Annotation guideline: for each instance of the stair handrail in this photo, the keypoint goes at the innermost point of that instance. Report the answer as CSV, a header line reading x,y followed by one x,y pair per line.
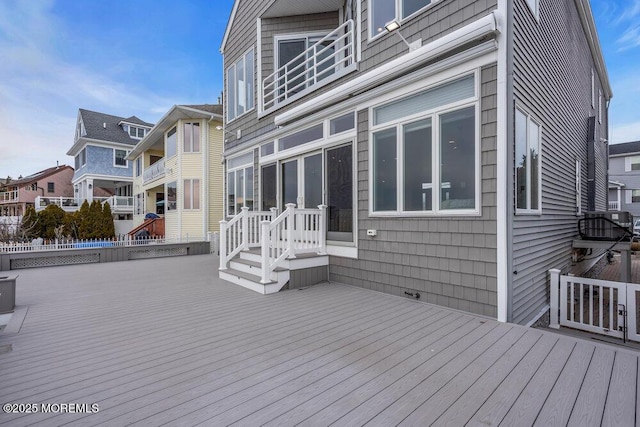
x,y
231,246
276,242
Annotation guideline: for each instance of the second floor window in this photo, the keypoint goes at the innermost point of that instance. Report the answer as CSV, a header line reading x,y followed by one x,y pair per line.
x,y
192,137
51,187
139,166
119,158
240,86
633,163
171,141
384,11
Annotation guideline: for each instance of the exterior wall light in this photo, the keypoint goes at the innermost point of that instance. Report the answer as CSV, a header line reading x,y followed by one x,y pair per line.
x,y
394,26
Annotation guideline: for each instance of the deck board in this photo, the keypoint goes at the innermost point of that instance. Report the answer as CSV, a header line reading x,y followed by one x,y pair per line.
x,y
165,341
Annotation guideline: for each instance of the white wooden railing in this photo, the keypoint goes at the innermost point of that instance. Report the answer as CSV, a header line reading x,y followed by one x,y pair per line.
x,y
156,170
614,206
9,196
599,306
323,62
241,232
294,231
72,204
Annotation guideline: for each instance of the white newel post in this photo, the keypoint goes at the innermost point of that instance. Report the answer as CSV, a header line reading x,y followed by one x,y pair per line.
x,y
554,310
223,245
291,217
274,213
322,229
245,228
264,236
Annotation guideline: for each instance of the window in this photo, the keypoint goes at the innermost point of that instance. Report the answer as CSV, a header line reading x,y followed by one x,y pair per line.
x,y
313,133
34,186
51,188
192,137
81,158
425,152
633,163
528,161
239,183
600,106
635,196
578,187
138,204
172,196
593,89
191,194
119,158
266,149
341,124
171,140
240,86
300,72
136,132
139,166
384,11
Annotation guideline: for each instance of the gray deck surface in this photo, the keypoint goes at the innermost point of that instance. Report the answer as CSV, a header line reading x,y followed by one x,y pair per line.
x,y
165,341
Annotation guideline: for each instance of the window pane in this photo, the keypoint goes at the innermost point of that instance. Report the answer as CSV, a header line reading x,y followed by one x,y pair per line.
x,y
195,127
231,193
291,79
339,166
341,124
411,6
534,158
289,183
187,138
196,194
635,196
382,11
384,170
266,149
239,190
313,181
311,134
418,179
119,157
187,194
171,143
172,195
249,79
447,93
242,160
458,159
269,187
241,89
248,188
231,96
521,160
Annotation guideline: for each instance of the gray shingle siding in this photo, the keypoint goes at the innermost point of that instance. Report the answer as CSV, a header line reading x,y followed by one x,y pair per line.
x,y
440,19
548,60
450,261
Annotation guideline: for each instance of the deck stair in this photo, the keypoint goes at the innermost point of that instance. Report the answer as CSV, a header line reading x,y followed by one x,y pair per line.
x,y
259,250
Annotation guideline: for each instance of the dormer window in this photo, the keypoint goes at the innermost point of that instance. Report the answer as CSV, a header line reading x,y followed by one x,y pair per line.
x,y
136,132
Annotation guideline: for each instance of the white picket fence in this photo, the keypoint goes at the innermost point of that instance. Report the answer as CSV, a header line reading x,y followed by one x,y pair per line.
x,y
597,306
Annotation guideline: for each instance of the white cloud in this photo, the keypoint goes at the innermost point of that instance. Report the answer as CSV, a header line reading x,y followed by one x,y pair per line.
x,y
630,38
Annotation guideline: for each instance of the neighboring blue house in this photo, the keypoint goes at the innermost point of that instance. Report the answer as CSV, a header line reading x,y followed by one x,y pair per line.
x,y
101,145
624,177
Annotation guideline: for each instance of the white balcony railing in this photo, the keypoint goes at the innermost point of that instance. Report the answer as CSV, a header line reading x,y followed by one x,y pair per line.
x,y
614,206
9,196
327,60
118,204
153,172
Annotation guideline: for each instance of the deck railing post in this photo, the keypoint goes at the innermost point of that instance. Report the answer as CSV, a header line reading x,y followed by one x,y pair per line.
x,y
244,228
223,245
291,217
274,213
322,229
264,238
554,310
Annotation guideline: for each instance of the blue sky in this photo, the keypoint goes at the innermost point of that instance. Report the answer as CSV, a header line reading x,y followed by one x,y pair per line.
x,y
140,57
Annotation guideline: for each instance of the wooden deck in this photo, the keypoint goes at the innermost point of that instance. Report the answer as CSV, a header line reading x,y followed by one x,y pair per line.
x,y
164,341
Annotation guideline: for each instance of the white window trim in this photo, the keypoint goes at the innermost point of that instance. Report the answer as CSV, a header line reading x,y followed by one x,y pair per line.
x,y
398,5
599,106
593,89
226,75
434,114
241,167
199,141
166,136
126,162
190,183
529,211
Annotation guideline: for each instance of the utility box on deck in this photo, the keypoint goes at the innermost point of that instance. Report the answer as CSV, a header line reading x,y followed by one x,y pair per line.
x,y
7,293
606,225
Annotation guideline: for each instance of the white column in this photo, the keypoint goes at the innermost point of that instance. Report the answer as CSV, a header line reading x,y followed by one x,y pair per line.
x,y
223,245
554,310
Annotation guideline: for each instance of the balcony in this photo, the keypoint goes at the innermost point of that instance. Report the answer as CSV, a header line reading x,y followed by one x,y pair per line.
x,y
153,172
9,196
614,206
118,204
329,59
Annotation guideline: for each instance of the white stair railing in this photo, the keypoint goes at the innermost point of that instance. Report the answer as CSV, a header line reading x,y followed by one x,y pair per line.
x,y
294,231
241,233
